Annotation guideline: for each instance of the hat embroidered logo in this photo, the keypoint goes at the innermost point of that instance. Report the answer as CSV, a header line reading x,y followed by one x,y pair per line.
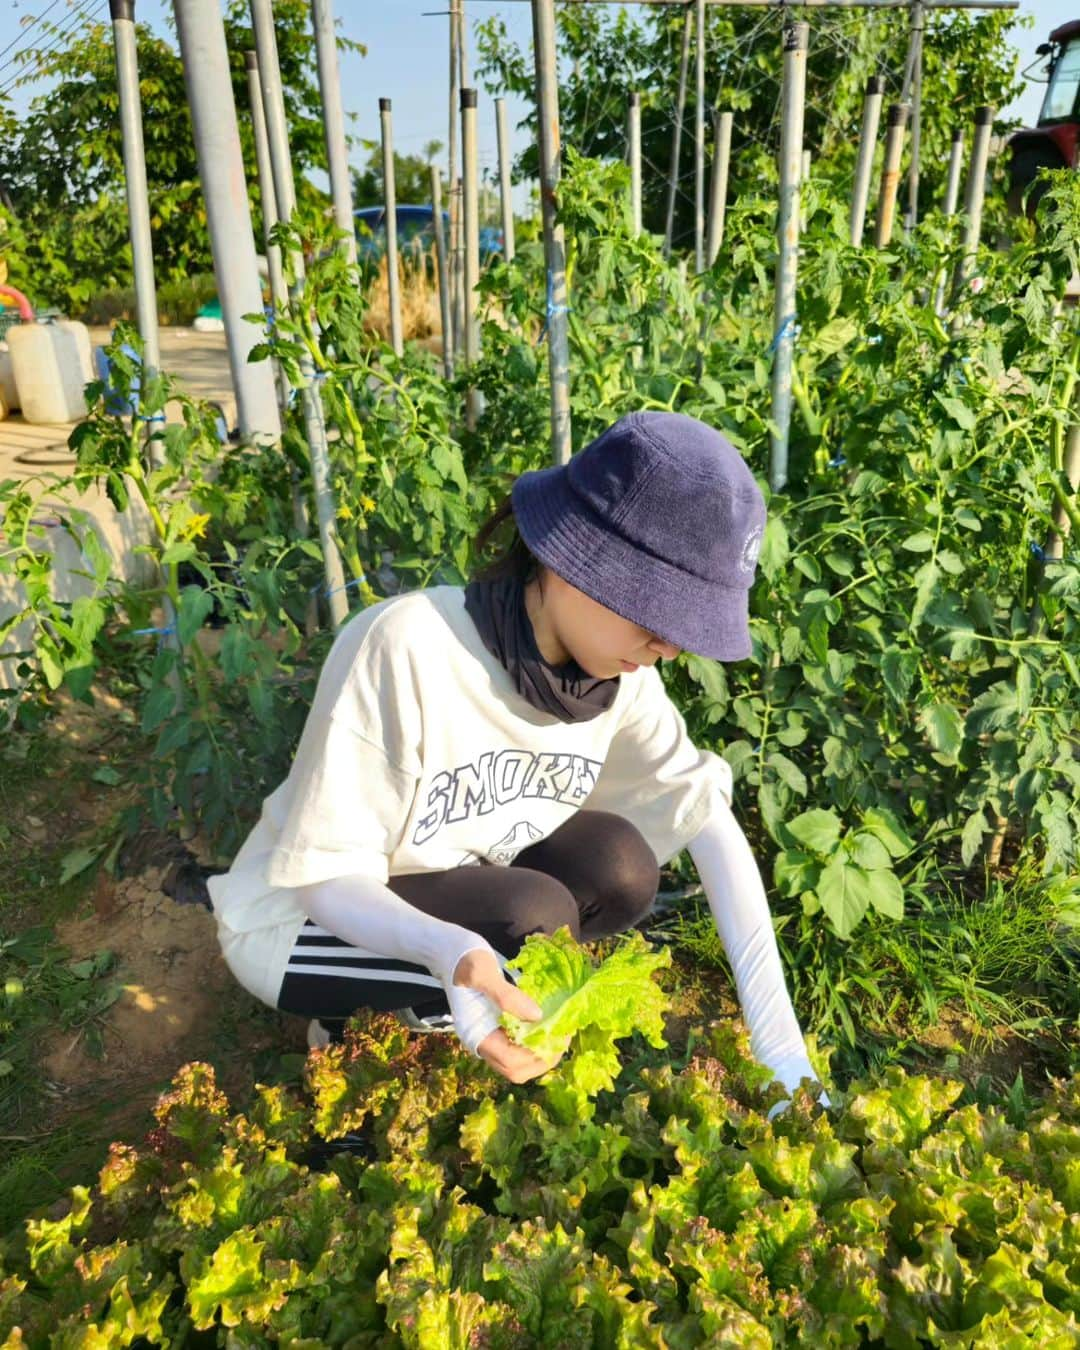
x,y
750,550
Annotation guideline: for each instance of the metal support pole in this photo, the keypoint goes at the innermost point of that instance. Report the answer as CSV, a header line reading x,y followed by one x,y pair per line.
x,y
122,13
262,22
457,252
952,182
201,32
471,222
699,142
912,93
633,154
890,173
454,199
505,184
138,200
793,96
804,177
279,294
680,111
393,280
337,155
952,192
444,282
974,192
722,122
864,165
547,104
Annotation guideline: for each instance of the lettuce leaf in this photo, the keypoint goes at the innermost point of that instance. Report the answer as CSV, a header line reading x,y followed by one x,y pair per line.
x,y
615,998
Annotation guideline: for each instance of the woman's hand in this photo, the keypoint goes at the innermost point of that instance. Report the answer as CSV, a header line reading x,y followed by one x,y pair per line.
x,y
480,970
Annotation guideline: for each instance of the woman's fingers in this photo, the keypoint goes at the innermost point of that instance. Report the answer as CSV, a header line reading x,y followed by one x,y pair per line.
x,y
512,1061
509,998
480,970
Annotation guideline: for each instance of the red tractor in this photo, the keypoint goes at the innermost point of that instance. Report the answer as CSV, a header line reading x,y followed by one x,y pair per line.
x,y
1053,142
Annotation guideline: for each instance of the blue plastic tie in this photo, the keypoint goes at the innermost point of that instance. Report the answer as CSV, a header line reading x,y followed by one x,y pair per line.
x,y
327,594
552,307
789,328
1038,551
142,632
837,461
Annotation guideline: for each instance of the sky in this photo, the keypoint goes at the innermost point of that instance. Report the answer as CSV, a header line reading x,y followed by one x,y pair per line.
x,y
407,62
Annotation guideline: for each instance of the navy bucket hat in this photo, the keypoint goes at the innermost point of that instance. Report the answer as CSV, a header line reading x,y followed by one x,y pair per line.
x,y
660,520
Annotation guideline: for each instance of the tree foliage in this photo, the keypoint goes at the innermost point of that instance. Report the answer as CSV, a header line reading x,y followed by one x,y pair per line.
x,y
412,178
968,62
64,228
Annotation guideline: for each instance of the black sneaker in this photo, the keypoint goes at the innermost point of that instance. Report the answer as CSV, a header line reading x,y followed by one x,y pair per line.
x,y
432,1022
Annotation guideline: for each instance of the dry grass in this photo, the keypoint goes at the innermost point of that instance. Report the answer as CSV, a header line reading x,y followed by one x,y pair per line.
x,y
420,317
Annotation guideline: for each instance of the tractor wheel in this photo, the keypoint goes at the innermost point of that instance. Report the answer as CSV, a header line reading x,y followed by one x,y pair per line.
x,y
1026,162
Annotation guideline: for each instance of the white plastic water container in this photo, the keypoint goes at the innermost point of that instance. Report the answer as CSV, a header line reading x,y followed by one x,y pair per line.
x,y
51,362
9,395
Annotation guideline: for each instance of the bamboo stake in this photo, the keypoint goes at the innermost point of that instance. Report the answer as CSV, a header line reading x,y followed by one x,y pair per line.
x,y
890,174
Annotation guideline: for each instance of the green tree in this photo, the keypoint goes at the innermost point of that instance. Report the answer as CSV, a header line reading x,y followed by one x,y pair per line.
x,y
412,177
65,232
603,57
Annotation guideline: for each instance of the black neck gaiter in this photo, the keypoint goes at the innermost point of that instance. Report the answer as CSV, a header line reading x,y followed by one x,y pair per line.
x,y
566,692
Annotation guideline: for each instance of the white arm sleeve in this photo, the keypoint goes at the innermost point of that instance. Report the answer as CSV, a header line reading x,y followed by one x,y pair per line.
x,y
736,896
364,912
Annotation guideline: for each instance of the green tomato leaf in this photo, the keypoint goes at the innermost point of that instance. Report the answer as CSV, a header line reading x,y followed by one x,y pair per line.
x,y
974,829
845,893
883,823
959,412
944,728
819,830
886,893
920,542
868,851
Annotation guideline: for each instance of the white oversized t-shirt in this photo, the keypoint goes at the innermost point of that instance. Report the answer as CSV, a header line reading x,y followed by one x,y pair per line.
x,y
419,754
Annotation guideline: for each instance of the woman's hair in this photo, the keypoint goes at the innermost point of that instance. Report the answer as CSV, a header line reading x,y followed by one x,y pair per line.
x,y
514,558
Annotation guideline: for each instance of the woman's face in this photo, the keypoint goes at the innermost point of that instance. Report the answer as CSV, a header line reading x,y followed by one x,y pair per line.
x,y
568,623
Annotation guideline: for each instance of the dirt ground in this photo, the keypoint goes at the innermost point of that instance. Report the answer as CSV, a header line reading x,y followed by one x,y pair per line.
x,y
179,999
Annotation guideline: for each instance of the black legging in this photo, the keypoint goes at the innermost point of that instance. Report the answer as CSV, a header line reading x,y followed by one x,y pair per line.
x,y
595,873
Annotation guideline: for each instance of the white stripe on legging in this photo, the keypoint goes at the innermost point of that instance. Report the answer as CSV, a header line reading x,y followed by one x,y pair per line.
x,y
339,972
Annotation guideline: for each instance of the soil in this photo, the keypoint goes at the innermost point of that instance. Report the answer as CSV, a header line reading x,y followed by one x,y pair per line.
x,y
177,992
178,1001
